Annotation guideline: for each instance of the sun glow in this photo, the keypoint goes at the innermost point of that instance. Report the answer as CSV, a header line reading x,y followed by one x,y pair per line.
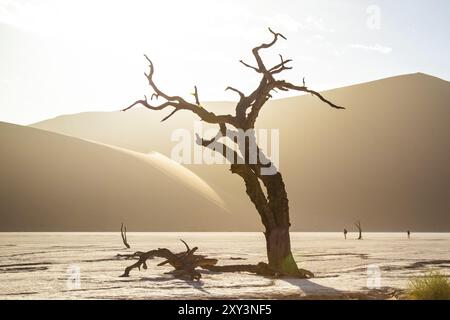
x,y
70,56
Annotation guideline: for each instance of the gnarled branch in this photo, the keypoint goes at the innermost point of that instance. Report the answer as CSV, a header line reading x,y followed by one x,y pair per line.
x,y
241,95
281,66
258,58
290,86
184,263
249,66
178,103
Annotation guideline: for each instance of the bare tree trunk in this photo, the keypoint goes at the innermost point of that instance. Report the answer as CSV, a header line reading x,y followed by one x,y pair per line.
x,y
279,251
274,213
278,240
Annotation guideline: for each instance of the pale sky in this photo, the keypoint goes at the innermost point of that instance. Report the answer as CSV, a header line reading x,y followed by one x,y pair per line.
x,y
63,56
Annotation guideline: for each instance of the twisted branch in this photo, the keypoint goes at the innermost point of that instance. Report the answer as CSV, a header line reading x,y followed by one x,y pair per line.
x,y
178,103
249,66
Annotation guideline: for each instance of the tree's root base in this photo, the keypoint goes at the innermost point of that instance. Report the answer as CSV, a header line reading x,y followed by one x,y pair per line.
x,y
305,274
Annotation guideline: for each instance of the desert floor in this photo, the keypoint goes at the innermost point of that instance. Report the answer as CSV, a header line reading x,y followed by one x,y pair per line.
x,y
48,265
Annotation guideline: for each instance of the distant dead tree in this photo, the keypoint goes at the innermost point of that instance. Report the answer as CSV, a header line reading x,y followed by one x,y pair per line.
x,y
358,225
123,233
272,205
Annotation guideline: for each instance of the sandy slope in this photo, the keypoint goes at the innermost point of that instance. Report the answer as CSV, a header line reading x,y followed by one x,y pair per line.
x,y
36,265
384,160
53,182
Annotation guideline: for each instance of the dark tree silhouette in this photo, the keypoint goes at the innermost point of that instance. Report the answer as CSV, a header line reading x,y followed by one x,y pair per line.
x,y
358,225
271,205
123,233
184,263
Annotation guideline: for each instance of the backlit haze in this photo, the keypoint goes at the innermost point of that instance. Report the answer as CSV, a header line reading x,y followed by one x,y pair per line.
x,y
61,57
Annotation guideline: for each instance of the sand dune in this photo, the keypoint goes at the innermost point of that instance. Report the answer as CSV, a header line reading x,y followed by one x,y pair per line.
x,y
384,160
176,171
51,182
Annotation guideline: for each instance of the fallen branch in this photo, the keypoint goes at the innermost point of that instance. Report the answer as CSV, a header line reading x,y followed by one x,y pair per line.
x,y
185,264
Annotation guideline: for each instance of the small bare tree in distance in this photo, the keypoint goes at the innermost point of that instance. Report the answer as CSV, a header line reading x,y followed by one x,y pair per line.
x,y
358,225
123,233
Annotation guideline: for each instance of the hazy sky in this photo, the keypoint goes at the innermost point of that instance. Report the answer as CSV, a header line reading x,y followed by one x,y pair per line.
x,y
63,56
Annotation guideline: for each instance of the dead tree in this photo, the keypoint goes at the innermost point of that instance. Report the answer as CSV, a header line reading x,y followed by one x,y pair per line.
x,y
272,205
358,225
185,264
123,233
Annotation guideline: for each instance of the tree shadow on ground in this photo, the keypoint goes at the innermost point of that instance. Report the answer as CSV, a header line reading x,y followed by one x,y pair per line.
x,y
198,285
308,289
312,290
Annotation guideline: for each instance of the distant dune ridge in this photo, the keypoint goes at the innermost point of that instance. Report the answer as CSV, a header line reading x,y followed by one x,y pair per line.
x,y
383,161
